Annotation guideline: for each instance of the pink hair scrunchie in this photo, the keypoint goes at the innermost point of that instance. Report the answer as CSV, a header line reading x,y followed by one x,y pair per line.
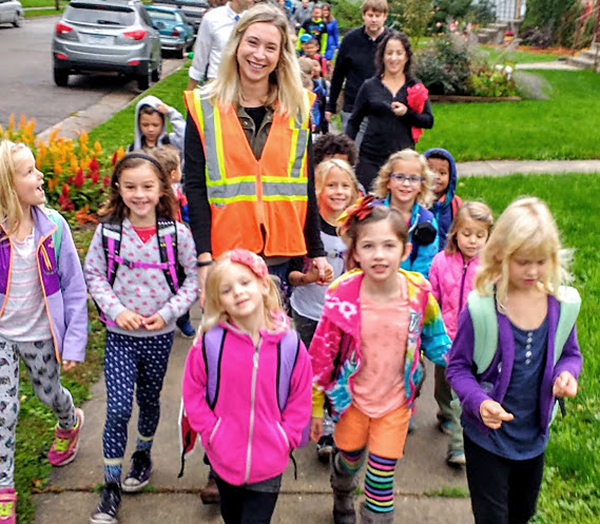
x,y
252,261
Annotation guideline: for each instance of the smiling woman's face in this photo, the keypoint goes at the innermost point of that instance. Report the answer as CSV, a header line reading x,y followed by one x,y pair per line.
x,y
258,52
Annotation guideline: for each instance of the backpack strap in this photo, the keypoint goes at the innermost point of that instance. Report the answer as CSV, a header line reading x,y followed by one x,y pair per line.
x,y
55,217
166,231
455,204
287,355
485,329
485,324
111,243
570,304
212,350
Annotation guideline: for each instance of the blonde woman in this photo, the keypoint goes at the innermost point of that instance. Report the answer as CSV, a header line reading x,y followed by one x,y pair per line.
x,y
248,170
405,182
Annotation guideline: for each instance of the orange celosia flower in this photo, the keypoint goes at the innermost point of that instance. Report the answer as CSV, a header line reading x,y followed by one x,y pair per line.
x,y
97,147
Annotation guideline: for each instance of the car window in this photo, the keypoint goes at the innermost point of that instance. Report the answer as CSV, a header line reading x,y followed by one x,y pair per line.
x,y
162,15
100,14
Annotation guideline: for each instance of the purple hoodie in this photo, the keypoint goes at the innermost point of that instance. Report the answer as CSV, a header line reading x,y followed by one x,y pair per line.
x,y
470,387
64,288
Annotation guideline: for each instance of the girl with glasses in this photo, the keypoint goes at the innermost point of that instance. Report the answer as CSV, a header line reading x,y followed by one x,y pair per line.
x,y
405,182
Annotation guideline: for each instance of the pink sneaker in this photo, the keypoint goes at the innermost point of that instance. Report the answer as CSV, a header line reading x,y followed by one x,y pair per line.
x,y
8,506
66,442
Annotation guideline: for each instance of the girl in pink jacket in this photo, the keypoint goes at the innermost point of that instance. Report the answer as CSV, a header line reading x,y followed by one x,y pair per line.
x,y
249,410
451,276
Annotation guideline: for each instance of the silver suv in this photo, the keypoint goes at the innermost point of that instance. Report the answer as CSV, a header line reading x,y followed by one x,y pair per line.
x,y
106,35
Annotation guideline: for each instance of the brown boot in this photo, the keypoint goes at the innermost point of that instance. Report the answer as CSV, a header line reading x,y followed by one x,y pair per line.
x,y
210,493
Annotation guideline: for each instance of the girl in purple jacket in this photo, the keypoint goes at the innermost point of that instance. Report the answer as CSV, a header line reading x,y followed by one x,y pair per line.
x,y
508,404
451,275
43,312
236,411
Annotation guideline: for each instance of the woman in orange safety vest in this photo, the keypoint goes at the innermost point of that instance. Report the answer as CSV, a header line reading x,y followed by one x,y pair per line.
x,y
248,152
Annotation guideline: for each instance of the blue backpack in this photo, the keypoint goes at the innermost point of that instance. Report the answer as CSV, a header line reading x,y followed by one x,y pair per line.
x,y
212,345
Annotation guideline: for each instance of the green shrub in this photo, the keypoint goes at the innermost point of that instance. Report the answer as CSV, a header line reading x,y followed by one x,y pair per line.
x,y
445,68
347,14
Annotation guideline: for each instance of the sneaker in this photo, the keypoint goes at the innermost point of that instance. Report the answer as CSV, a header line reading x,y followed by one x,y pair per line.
x,y
445,426
325,448
66,442
139,473
210,493
106,512
8,506
186,329
456,458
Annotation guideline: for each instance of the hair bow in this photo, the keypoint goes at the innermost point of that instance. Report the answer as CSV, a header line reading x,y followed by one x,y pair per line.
x,y
360,210
252,261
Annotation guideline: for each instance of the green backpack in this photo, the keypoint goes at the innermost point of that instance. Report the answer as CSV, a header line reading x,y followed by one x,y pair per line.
x,y
485,324
55,217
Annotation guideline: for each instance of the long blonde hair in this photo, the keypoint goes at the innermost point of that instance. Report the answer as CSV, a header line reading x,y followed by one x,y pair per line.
x,y
286,93
528,228
477,211
11,211
213,309
380,185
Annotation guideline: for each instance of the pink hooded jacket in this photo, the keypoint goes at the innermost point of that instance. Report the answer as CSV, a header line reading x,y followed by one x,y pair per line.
x,y
451,282
245,435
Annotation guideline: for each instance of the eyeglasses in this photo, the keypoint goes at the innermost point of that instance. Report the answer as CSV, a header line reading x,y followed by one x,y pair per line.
x,y
403,178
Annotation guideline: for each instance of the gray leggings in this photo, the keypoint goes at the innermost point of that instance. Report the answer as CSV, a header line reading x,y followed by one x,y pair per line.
x,y
44,373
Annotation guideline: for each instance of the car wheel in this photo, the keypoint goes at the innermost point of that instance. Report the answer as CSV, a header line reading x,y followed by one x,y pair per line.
x,y
179,53
143,79
157,72
18,19
61,77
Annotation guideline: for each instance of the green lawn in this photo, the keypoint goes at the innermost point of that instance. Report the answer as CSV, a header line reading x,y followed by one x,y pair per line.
x,y
570,492
565,127
498,55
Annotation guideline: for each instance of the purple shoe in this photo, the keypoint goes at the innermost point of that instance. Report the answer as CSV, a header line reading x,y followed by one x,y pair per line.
x,y
66,442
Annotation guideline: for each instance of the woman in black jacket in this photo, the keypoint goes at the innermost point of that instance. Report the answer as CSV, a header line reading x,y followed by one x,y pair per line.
x,y
395,103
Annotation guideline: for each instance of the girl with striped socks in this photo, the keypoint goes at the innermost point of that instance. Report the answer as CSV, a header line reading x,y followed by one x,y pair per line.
x,y
365,355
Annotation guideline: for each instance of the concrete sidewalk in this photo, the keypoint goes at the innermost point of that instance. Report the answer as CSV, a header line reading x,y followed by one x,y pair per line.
x,y
421,475
527,167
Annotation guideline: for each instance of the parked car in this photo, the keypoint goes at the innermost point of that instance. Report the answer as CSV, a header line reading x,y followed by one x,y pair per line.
x,y
193,9
106,36
11,12
176,33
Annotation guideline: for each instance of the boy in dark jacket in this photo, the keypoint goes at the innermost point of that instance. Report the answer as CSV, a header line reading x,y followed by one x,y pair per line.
x,y
447,202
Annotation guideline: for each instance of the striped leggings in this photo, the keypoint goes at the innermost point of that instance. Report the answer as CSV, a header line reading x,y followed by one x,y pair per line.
x,y
379,479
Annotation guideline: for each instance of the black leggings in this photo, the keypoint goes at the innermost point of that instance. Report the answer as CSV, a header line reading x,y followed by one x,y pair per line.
x,y
239,505
503,491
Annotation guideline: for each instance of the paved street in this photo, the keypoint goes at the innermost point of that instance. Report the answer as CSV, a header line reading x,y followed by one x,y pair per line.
x,y
26,81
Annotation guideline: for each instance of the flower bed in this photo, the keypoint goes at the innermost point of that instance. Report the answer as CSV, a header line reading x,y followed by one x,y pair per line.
x,y
76,172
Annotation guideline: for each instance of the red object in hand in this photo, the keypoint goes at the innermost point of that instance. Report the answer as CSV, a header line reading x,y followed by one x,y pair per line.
x,y
416,97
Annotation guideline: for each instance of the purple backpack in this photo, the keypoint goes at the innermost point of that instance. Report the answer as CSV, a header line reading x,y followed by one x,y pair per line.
x,y
212,345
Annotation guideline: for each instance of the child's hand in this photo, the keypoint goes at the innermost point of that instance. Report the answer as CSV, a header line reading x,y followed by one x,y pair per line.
x,y
316,429
129,320
565,385
154,323
493,414
68,365
164,109
399,108
326,280
312,275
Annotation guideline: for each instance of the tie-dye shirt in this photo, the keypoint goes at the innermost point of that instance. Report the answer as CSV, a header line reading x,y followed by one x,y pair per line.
x,y
336,353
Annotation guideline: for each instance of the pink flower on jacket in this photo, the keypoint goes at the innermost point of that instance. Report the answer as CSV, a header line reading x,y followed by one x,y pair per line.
x,y
416,97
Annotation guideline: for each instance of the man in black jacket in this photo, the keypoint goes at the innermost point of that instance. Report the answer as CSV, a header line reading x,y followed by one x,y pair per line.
x,y
355,61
